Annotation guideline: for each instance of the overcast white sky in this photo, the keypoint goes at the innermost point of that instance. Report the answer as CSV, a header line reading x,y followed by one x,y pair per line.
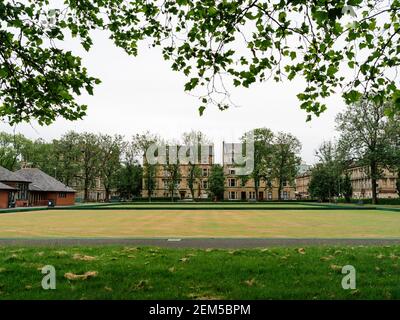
x,y
143,93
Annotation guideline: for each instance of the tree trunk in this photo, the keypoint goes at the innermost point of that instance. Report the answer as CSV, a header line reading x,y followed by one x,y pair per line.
x,y
374,170
148,193
256,189
280,190
86,194
398,183
192,192
107,194
199,189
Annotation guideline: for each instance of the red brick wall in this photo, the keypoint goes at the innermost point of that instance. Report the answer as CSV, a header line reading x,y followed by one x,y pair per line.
x,y
21,203
69,200
3,199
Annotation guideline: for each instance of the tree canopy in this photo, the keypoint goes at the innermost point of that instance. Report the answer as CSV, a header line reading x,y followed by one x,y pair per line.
x,y
215,44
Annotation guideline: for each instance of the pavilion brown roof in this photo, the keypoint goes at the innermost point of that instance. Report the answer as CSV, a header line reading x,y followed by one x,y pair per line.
x,y
42,181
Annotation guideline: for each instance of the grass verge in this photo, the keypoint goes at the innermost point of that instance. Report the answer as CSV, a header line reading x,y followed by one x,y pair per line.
x,y
155,273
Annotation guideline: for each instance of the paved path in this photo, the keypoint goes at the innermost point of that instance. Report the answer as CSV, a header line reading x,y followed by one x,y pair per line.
x,y
200,242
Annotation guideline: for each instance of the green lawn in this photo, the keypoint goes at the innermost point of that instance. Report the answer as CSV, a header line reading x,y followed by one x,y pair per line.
x,y
202,223
214,205
154,273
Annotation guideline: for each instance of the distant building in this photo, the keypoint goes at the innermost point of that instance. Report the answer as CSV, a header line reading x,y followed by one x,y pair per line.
x,y
44,188
32,187
360,182
302,183
362,186
18,196
6,193
239,187
304,168
182,190
96,192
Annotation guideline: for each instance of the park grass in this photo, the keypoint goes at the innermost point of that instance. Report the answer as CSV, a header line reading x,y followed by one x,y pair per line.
x,y
232,204
155,273
201,224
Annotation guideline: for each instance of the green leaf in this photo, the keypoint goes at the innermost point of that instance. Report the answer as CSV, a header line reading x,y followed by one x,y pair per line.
x,y
3,73
331,71
352,96
201,110
191,84
282,16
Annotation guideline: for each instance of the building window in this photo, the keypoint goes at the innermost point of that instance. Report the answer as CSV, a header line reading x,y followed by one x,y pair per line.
x,y
22,193
205,172
232,182
270,195
232,195
205,184
62,195
252,195
231,171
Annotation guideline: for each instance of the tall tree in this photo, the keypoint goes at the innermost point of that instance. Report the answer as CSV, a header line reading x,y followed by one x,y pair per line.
x,y
111,148
195,140
285,160
11,146
216,182
323,185
394,146
347,188
129,180
334,161
173,177
68,154
40,154
327,176
263,140
365,133
139,145
90,161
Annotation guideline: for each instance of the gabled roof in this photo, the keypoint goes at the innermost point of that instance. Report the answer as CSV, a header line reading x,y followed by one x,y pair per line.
x,y
42,181
7,175
6,187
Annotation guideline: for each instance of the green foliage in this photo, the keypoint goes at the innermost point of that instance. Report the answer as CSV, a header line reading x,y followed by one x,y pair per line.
x,y
90,164
38,79
318,43
10,150
285,159
346,188
193,178
398,183
323,185
194,140
68,155
172,176
280,40
149,178
111,149
367,135
216,182
329,177
78,159
263,154
138,147
129,180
